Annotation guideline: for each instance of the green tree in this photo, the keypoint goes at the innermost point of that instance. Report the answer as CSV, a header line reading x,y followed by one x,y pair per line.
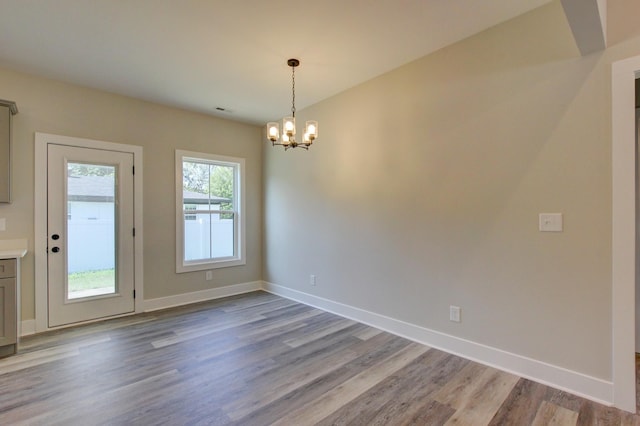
x,y
221,185
78,169
195,177
210,179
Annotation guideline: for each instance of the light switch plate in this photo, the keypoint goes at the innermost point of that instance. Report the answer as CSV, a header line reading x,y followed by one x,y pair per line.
x,y
3,224
550,222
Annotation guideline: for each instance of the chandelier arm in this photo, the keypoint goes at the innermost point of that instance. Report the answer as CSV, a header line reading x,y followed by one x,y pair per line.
x,y
291,145
286,147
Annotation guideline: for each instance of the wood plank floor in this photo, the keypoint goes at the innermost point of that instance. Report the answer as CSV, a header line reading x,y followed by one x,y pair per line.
x,y
258,359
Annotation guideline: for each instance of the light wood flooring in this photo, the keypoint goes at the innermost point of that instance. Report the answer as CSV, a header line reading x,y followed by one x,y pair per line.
x,y
258,359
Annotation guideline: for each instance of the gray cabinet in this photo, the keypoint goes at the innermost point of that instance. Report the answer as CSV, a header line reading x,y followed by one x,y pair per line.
x,y
7,110
8,306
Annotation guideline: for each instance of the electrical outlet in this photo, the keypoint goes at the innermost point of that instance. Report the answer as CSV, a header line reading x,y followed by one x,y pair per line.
x,y
550,222
312,280
3,224
454,313
208,275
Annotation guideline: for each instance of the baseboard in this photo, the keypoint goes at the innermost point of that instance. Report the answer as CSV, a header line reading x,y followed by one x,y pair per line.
x,y
589,387
28,327
200,296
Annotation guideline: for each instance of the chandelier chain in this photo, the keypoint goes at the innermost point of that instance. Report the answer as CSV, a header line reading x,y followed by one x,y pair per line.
x,y
293,90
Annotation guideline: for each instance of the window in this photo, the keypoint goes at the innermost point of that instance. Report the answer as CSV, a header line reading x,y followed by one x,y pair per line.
x,y
209,216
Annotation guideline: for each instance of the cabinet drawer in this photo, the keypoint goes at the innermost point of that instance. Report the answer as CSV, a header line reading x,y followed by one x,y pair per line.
x,y
7,268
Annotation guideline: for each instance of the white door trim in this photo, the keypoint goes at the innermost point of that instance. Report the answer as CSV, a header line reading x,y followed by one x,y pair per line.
x,y
623,228
40,217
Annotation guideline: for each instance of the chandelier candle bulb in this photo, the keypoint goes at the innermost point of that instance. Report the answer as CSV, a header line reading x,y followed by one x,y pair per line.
x,y
311,129
289,126
273,131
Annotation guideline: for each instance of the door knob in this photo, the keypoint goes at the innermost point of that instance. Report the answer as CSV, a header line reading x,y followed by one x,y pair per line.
x,y
55,236
55,249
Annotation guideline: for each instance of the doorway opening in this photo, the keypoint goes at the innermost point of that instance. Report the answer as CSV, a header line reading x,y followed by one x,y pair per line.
x,y
623,225
88,227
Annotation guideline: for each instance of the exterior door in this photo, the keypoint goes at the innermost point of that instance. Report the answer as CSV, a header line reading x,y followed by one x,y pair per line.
x,y
90,231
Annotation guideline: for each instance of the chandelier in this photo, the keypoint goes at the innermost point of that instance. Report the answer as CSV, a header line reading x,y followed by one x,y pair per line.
x,y
288,139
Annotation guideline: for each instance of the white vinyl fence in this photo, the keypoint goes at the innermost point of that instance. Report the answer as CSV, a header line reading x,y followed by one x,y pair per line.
x,y
91,243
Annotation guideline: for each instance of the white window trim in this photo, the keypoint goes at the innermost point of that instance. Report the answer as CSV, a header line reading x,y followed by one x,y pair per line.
x,y
239,231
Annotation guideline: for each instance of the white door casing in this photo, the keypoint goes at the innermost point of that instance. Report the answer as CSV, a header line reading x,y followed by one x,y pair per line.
x,y
637,277
623,257
42,142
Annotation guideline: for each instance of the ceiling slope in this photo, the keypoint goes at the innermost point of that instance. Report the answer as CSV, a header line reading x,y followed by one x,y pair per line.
x,y
203,54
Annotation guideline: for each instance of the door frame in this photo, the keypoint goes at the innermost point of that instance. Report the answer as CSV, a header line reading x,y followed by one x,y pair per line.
x,y
623,229
40,219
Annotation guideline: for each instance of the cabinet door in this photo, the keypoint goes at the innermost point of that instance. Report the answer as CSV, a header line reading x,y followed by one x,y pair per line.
x,y
8,326
5,154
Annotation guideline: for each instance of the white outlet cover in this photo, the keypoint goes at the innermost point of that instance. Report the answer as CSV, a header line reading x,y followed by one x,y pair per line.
x,y
454,313
3,224
550,222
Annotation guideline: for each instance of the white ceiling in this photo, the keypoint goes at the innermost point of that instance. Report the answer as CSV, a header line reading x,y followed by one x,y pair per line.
x,y
203,54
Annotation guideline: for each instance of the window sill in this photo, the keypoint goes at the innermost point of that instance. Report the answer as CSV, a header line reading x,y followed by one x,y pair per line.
x,y
204,266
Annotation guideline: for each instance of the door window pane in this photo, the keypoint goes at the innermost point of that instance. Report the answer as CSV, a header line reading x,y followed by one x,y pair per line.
x,y
91,230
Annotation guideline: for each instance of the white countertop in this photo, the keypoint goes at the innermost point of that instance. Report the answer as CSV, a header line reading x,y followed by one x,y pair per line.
x,y
13,249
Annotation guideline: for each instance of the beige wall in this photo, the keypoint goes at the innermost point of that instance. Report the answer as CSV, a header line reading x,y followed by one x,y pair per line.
x,y
622,20
425,186
53,107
